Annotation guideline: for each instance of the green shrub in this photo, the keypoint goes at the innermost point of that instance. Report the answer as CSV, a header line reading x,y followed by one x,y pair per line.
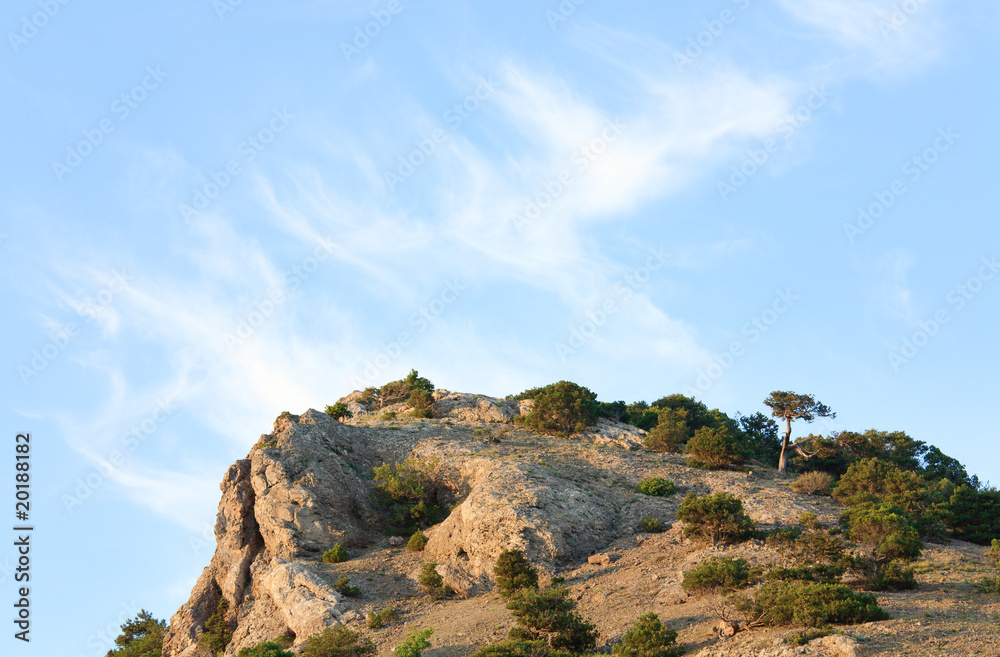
x,y
562,408
414,381
887,530
512,648
874,480
809,519
513,572
988,585
649,525
670,435
338,641
265,649
417,542
995,553
886,535
813,483
812,547
408,491
388,415
548,614
718,517
648,638
338,411
415,644
822,573
810,605
217,633
382,618
714,449
719,574
973,514
343,586
140,637
336,554
657,487
421,402
893,576
432,583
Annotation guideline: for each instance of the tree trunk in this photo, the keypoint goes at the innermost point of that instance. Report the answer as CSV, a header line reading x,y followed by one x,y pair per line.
x,y
783,460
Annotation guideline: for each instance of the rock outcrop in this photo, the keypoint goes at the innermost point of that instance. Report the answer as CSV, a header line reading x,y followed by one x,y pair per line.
x,y
307,485
298,493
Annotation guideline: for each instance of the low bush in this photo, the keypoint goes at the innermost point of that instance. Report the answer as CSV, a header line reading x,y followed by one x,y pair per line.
x,y
670,435
343,586
388,415
657,487
649,525
513,572
421,402
810,605
988,585
718,575
414,644
648,638
338,411
822,573
718,518
995,553
809,519
714,449
417,542
408,490
892,576
432,583
265,649
562,408
548,614
338,641
814,483
382,618
336,554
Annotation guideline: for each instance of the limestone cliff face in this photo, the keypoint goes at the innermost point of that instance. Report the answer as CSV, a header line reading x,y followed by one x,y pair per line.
x,y
306,486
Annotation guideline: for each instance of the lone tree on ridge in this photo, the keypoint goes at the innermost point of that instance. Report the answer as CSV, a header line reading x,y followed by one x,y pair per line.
x,y
790,406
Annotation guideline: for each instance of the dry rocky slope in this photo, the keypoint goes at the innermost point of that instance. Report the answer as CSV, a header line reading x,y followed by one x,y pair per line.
x,y
570,504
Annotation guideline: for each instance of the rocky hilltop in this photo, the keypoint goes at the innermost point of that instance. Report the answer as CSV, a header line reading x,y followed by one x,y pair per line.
x,y
569,504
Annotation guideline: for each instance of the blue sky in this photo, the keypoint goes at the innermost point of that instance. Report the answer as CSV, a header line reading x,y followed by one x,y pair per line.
x,y
214,212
